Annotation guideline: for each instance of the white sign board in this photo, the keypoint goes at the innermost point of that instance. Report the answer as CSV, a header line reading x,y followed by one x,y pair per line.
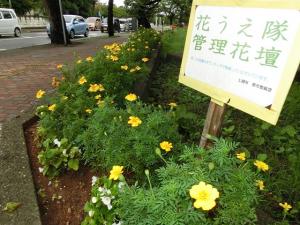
x,y
243,51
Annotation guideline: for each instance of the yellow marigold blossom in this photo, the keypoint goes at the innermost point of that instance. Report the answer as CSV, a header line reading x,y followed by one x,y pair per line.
x,y
89,111
172,105
97,97
260,184
261,165
131,97
286,207
167,146
52,107
133,49
100,102
79,61
134,121
59,66
55,82
146,47
40,94
241,156
116,172
93,88
114,58
101,88
89,59
125,67
205,196
145,59
82,80
132,70
138,68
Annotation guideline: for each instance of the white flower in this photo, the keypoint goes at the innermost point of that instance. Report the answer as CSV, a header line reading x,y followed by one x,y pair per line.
x,y
91,213
107,201
94,200
121,185
94,179
41,169
57,142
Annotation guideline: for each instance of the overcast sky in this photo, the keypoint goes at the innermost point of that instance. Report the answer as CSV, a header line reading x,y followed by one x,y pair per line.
x,y
116,2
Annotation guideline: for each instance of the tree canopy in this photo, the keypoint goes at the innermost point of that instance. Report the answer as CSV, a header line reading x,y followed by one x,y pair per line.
x,y
21,7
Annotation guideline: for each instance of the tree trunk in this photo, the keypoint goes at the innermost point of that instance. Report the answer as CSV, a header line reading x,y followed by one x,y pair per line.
x,y
143,21
110,17
55,22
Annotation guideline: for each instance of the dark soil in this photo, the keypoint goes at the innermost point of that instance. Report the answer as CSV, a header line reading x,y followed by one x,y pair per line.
x,y
61,200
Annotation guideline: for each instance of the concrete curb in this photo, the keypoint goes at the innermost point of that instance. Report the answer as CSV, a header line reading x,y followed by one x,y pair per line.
x,y
16,178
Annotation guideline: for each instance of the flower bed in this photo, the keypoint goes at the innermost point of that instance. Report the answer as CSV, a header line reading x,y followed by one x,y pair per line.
x,y
96,119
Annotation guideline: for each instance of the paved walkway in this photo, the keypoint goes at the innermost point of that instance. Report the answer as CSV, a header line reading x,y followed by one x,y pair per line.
x,y
24,71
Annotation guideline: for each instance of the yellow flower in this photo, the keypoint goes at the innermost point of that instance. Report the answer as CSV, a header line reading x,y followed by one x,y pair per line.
x,y
79,61
65,97
89,111
116,172
205,195
52,107
96,87
131,97
40,94
55,82
241,156
101,88
261,165
132,70
82,80
89,59
133,49
128,49
134,121
138,68
97,97
165,145
286,207
172,105
146,47
100,102
260,184
125,67
59,66
114,58
145,59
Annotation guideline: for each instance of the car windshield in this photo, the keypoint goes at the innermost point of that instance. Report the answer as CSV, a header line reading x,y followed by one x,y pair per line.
x,y
68,19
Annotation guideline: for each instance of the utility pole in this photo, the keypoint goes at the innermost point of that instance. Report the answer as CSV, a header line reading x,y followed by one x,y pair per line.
x,y
62,22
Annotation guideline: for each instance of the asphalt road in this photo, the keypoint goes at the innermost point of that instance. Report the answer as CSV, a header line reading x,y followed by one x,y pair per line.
x,y
34,38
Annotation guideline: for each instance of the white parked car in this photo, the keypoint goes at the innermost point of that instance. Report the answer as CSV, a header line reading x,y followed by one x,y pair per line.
x,y
9,24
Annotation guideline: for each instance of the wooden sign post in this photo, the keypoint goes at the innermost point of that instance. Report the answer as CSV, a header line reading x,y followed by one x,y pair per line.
x,y
242,53
213,123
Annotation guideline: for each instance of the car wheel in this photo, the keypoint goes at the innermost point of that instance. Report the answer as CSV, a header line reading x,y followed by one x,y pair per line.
x,y
72,34
17,32
86,34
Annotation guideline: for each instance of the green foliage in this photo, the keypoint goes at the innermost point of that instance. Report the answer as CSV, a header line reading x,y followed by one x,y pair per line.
x,y
58,155
173,41
109,139
170,203
79,7
21,7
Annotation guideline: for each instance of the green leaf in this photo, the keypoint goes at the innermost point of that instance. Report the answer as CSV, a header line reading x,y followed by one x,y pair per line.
x,y
73,164
11,206
259,141
262,157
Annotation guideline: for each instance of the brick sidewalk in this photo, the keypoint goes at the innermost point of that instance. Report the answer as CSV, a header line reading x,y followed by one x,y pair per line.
x,y
24,71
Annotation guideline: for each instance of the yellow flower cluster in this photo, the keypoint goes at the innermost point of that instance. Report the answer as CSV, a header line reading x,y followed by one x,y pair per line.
x,y
125,67
59,66
260,184
241,156
261,165
205,196
89,111
134,121
131,97
145,59
55,82
172,105
82,80
52,107
96,87
286,207
116,172
89,59
40,94
167,146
